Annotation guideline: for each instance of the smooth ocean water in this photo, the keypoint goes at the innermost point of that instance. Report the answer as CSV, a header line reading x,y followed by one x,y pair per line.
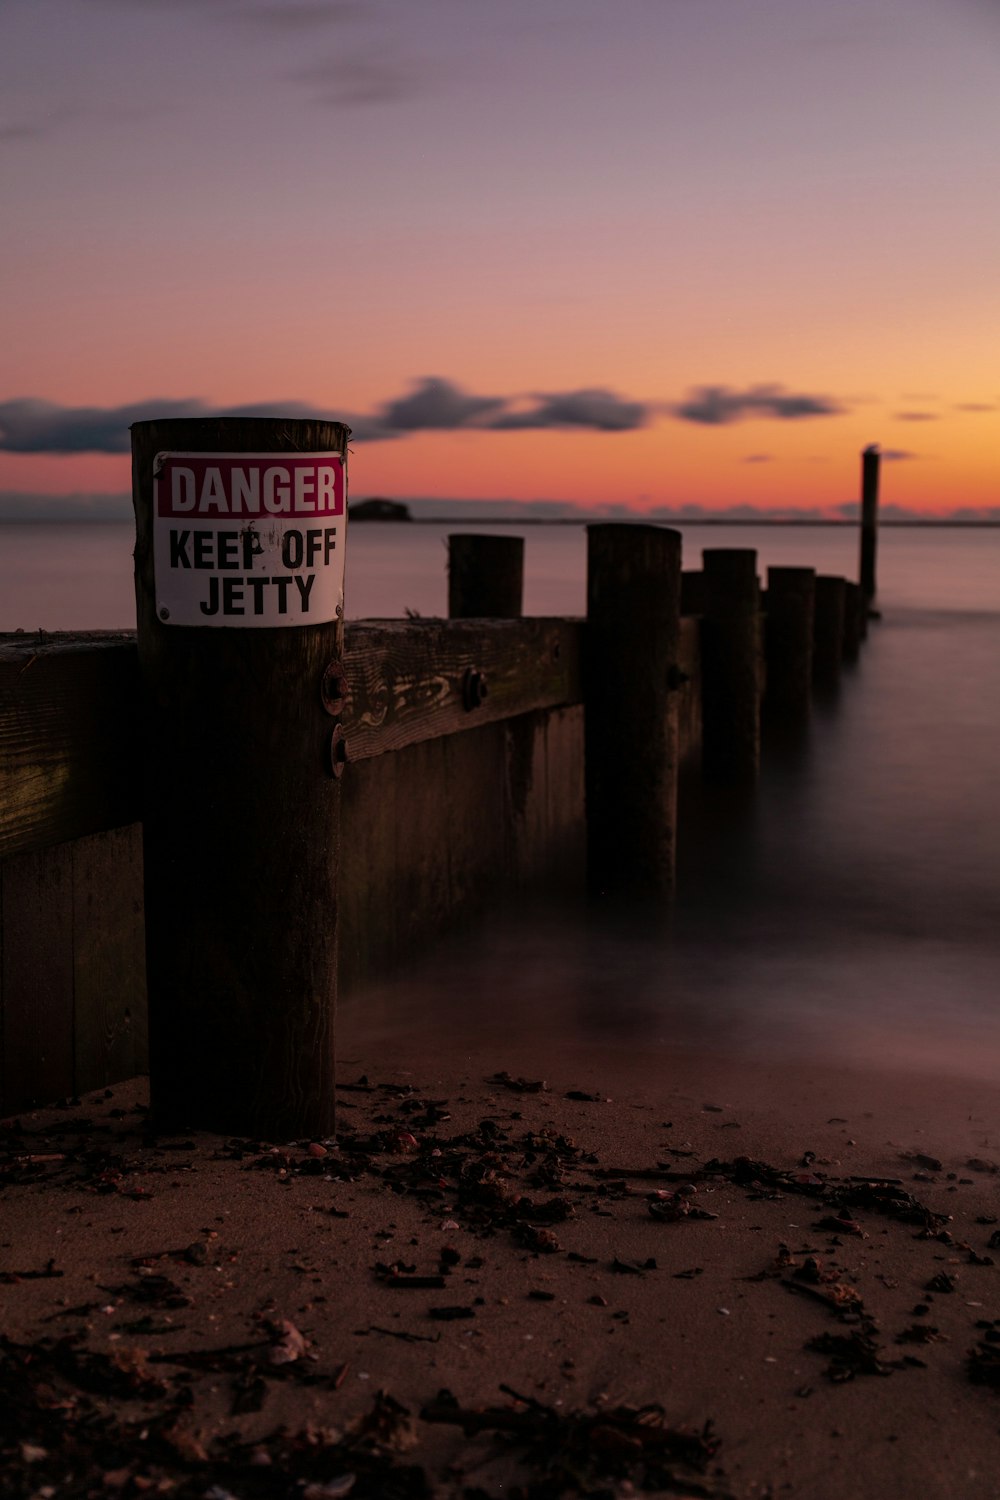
x,y
849,909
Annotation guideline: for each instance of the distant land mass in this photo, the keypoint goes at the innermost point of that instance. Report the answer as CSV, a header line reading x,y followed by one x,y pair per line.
x,y
379,509
23,505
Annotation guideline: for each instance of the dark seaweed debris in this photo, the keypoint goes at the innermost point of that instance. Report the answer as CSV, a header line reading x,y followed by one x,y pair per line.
x,y
578,1452
854,1353
58,1437
877,1195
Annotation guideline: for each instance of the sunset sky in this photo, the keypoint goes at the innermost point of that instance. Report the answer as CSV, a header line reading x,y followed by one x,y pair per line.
x,y
657,253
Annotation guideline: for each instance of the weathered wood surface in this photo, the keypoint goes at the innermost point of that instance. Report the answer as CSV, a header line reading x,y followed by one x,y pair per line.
x,y
407,676
731,665
36,979
72,969
788,637
431,836
69,709
632,675
71,916
241,832
109,959
485,577
69,736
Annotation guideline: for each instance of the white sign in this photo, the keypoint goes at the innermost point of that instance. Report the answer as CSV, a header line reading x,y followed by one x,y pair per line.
x,y
249,539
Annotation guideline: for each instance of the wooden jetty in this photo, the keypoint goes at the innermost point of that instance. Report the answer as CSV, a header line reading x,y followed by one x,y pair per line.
x,y
483,757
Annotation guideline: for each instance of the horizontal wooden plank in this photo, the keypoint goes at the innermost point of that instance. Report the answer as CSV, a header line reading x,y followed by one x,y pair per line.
x,y
69,722
69,709
408,678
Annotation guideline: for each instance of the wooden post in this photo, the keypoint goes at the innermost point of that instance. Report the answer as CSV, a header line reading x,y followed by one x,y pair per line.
x,y
731,665
692,591
630,671
788,634
854,619
828,635
870,461
239,549
485,577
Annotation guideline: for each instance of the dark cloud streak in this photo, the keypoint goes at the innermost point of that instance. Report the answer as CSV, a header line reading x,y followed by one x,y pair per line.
x,y
436,404
598,409
433,404
28,425
718,405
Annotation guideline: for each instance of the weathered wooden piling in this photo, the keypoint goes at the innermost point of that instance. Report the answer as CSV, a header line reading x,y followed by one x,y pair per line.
x,y
731,659
485,577
870,462
828,634
788,634
630,734
239,587
854,620
692,591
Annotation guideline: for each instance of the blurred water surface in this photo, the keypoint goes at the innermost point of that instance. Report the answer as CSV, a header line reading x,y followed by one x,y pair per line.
x,y
849,909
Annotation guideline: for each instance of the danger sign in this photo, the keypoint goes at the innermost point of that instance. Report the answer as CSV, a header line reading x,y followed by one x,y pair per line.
x,y
249,539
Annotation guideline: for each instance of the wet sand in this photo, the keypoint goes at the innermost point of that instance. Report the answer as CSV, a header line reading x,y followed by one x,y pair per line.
x,y
275,1253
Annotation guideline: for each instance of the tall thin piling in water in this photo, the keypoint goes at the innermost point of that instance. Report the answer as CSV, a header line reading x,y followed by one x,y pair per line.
x,y
870,463
731,659
630,735
239,566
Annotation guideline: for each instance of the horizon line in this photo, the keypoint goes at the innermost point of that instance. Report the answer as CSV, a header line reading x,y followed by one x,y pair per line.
x,y
633,519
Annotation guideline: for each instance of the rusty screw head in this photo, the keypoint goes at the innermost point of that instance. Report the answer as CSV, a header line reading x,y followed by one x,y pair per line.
x,y
338,753
474,689
333,688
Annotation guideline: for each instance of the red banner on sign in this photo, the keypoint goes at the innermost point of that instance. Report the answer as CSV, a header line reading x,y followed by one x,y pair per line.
x,y
212,487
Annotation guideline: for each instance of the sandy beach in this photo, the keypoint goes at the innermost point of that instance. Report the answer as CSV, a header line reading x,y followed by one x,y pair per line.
x,y
664,1273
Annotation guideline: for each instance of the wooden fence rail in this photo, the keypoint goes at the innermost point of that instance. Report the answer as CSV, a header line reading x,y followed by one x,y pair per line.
x,y
465,742
69,709
452,800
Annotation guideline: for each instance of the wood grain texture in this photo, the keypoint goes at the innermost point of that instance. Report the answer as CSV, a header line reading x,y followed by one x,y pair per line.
x,y
109,959
69,709
452,827
430,836
406,677
633,632
69,736
36,980
545,777
426,838
241,836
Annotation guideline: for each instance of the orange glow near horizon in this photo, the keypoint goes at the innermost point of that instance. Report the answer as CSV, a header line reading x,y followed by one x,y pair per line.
x,y
811,465
330,204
